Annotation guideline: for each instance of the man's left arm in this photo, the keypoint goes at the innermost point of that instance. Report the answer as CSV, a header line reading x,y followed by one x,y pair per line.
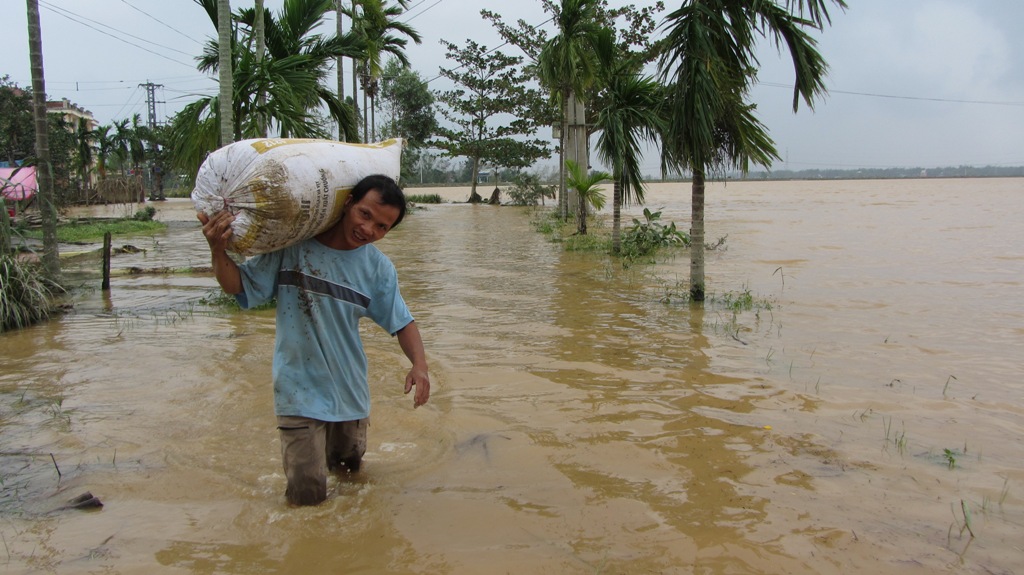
x,y
412,345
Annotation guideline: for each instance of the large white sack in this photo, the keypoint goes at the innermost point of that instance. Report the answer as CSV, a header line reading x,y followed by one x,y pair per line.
x,y
283,191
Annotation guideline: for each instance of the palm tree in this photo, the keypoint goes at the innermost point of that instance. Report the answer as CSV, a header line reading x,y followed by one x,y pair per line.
x,y
105,146
566,66
710,63
628,113
137,137
284,90
85,140
588,192
122,144
44,169
377,26
225,35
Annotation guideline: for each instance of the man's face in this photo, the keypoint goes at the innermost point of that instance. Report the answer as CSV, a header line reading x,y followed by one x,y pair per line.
x,y
366,221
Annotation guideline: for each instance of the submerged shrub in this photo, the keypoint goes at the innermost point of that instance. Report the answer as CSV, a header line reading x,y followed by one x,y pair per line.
x,y
145,214
27,296
424,199
528,191
645,237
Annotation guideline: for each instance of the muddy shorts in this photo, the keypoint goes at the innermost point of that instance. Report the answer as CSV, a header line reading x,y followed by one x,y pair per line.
x,y
310,447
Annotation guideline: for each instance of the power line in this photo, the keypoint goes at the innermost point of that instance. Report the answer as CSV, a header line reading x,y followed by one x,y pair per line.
x,y
894,97
60,12
422,12
159,21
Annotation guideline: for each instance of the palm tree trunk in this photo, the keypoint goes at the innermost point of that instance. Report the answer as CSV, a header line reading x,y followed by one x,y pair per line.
x,y
581,214
366,117
563,197
355,75
697,237
341,71
44,168
617,214
373,118
224,65
261,45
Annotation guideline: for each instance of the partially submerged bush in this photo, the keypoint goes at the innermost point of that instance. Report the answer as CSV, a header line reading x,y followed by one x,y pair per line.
x,y
27,296
145,214
424,199
645,237
528,191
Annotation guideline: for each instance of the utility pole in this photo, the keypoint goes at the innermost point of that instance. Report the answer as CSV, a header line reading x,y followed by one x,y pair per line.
x,y
151,101
155,172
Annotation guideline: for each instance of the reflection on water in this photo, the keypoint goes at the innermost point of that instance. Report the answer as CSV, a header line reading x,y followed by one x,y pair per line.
x,y
578,425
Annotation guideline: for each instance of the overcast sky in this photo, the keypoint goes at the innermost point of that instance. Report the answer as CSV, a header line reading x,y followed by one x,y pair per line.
x,y
913,83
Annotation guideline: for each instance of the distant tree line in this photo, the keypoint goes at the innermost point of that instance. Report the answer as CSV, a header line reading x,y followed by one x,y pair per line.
x,y
890,173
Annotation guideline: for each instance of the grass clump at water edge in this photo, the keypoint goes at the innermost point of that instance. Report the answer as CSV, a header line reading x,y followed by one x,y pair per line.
x,y
424,199
27,296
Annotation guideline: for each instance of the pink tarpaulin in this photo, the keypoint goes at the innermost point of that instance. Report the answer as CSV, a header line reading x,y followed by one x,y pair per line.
x,y
18,183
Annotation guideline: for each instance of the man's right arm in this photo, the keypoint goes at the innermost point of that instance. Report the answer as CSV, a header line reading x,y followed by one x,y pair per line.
x,y
217,229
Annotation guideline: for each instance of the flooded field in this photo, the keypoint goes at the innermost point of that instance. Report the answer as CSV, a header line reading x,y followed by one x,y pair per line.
x,y
866,416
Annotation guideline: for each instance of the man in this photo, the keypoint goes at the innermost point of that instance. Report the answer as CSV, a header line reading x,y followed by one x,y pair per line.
x,y
324,285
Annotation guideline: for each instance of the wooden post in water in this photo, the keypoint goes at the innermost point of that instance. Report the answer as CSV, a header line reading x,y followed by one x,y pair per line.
x,y
106,261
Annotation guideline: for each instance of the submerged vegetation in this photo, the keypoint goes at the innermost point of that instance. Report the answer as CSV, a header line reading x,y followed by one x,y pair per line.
x,y
26,295
91,230
424,199
641,243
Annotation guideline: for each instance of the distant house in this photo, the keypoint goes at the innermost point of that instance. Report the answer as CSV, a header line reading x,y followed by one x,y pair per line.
x,y
72,112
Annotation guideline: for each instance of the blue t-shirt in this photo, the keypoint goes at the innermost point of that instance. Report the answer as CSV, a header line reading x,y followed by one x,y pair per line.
x,y
319,364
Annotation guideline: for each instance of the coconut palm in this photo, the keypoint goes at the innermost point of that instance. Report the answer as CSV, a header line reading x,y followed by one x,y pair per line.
x,y
710,64
628,113
566,65
588,191
225,36
282,91
376,25
105,146
44,173
122,144
85,140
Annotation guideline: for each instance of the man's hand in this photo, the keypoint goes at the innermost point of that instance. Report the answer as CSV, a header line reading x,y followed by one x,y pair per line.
x,y
412,345
218,232
217,229
418,377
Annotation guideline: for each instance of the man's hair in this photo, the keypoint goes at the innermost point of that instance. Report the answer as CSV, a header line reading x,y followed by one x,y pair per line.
x,y
390,193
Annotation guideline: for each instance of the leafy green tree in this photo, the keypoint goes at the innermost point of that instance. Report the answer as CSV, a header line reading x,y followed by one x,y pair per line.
x,y
408,107
17,134
492,108
709,60
587,189
528,191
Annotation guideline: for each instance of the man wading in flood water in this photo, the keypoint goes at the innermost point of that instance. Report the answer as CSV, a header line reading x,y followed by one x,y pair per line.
x,y
324,285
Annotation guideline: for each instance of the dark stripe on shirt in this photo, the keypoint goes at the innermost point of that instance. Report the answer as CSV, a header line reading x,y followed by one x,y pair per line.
x,y
320,286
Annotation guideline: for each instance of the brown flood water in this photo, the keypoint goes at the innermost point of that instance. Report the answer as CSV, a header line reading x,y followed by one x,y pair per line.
x,y
578,424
